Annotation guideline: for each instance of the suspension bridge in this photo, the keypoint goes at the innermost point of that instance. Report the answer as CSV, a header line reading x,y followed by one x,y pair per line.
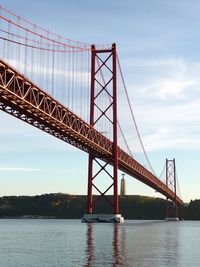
x,y
77,93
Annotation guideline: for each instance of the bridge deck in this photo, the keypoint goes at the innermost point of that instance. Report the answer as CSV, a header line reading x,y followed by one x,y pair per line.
x,y
26,101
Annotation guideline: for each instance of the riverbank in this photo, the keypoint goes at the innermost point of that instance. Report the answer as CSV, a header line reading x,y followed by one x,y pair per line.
x,y
66,206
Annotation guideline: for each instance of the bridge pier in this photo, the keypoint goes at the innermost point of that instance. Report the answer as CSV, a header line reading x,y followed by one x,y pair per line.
x,y
102,218
172,211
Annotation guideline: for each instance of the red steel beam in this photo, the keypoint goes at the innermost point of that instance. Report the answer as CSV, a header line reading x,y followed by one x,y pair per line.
x,y
115,137
23,99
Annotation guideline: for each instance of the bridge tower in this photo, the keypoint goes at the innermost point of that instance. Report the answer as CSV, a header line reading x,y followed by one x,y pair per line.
x,y
103,86
171,182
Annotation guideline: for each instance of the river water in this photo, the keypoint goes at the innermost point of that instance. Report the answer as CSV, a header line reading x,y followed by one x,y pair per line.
x,y
72,243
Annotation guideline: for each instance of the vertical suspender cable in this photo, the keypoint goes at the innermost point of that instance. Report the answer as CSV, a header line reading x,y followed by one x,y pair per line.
x,y
133,117
52,78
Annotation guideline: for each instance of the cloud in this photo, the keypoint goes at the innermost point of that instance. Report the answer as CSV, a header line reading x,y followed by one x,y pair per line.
x,y
174,125
47,71
156,62
18,136
165,98
174,87
164,78
17,169
14,131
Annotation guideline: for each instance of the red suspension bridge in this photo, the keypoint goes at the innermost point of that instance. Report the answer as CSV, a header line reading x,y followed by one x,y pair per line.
x,y
79,96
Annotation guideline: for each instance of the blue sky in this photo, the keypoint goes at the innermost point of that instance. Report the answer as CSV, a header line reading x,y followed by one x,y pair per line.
x,y
158,44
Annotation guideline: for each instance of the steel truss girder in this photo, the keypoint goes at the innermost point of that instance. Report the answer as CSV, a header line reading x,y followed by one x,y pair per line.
x,y
21,95
24,100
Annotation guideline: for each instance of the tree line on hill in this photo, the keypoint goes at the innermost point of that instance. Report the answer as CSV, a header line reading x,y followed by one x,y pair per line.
x,y
65,206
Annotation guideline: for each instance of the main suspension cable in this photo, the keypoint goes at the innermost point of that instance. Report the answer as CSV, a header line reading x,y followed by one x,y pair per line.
x,y
133,117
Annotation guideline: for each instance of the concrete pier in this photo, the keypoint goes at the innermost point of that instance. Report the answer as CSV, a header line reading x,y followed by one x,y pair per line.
x,y
175,219
105,218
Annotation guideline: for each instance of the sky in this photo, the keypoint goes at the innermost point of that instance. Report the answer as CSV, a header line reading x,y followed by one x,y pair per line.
x,y
158,45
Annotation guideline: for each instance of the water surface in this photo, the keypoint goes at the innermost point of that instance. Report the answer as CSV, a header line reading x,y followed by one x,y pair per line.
x,y
72,243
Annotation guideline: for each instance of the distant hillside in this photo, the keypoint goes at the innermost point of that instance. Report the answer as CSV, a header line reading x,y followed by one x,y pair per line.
x,y
74,206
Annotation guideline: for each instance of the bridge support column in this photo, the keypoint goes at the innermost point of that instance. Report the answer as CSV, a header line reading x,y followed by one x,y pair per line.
x,y
172,206
103,116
